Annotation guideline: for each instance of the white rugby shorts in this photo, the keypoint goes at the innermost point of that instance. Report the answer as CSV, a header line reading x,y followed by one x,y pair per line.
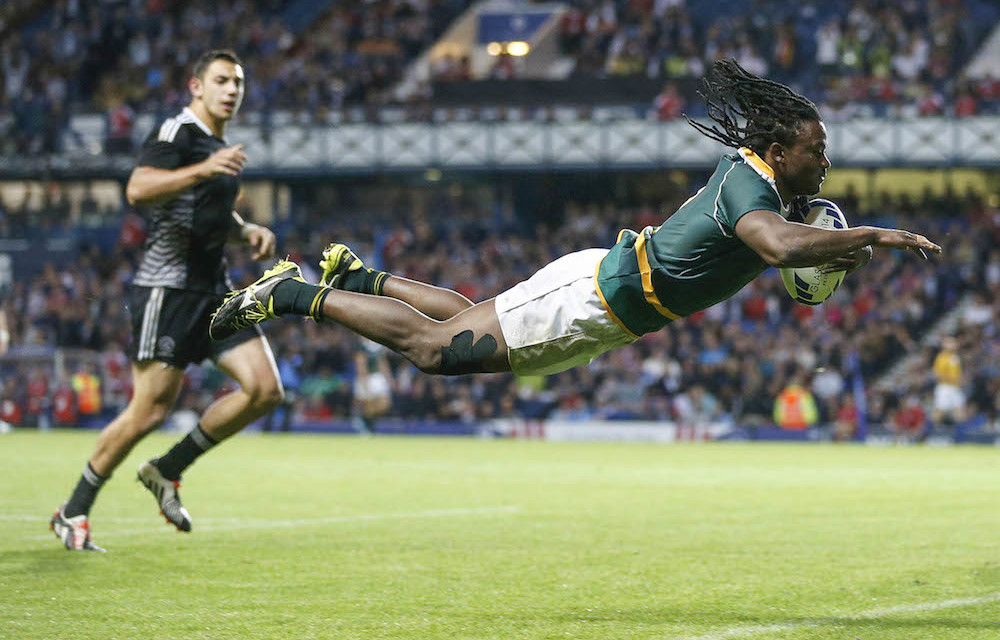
x,y
948,397
372,386
555,319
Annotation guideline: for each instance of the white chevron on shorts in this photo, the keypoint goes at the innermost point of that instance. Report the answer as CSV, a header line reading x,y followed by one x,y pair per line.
x,y
150,324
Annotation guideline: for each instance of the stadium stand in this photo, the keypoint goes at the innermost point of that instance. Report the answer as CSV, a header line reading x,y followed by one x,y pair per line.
x,y
124,58
325,61
316,59
725,364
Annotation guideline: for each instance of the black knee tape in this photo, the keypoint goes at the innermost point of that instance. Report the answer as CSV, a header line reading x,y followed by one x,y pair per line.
x,y
461,356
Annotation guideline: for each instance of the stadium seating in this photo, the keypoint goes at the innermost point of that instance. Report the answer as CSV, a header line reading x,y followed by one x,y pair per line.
x,y
733,358
316,58
313,59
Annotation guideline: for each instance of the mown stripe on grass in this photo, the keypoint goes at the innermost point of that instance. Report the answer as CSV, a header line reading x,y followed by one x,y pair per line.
x,y
748,631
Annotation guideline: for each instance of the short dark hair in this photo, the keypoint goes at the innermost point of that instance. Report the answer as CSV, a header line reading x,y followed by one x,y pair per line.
x,y
752,111
207,58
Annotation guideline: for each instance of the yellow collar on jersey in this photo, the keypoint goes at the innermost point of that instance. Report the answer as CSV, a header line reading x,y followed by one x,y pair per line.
x,y
757,163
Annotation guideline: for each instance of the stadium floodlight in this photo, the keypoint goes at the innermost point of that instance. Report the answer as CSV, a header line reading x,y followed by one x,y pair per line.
x,y
518,48
494,48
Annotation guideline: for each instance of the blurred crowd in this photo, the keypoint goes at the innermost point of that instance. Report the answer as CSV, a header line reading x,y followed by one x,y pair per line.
x,y
755,360
857,57
126,57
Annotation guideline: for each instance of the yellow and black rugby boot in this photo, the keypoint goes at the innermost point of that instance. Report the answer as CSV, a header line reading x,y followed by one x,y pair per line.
x,y
253,304
338,260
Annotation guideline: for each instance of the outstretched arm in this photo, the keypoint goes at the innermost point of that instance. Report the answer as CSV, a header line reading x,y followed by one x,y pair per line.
x,y
791,244
851,262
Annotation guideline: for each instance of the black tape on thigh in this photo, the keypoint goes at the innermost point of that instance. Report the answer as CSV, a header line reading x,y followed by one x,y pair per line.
x,y
461,356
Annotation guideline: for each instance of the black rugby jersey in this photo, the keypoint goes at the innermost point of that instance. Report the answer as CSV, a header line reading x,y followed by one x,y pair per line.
x,y
184,248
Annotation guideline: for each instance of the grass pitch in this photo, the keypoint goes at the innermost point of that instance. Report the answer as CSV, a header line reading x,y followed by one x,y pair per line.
x,y
341,538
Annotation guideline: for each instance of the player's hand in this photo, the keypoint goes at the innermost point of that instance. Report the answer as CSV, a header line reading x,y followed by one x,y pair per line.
x,y
899,239
849,263
261,241
226,161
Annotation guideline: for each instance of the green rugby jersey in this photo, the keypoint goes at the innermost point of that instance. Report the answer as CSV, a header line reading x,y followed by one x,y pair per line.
x,y
694,259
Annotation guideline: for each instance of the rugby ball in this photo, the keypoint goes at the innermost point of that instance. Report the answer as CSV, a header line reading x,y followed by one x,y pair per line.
x,y
807,285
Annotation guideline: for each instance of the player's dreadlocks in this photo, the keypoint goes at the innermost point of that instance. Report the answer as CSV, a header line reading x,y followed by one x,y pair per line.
x,y
769,111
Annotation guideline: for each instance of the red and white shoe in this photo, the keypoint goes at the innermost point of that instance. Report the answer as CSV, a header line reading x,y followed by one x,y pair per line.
x,y
74,532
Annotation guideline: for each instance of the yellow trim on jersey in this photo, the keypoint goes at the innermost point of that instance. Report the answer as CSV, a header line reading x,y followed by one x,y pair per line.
x,y
757,162
647,277
607,307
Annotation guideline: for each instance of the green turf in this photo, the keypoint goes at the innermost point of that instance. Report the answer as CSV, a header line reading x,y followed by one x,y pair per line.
x,y
337,537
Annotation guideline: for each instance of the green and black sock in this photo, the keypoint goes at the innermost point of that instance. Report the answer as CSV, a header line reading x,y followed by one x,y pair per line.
x,y
368,281
298,297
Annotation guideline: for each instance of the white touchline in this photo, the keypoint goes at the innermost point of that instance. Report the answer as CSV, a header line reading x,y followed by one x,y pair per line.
x,y
35,518
831,620
232,524
432,513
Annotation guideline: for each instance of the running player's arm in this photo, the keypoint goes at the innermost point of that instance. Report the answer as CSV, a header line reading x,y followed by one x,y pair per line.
x,y
792,244
150,185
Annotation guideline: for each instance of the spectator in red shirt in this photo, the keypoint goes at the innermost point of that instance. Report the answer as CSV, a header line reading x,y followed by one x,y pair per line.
x,y
64,407
121,119
908,423
965,104
37,398
669,103
133,231
930,103
11,410
989,87
845,425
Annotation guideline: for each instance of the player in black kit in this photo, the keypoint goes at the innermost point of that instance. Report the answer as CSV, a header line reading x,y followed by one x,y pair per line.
x,y
187,176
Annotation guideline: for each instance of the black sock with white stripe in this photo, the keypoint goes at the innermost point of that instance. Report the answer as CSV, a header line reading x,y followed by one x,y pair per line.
x,y
85,492
180,457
